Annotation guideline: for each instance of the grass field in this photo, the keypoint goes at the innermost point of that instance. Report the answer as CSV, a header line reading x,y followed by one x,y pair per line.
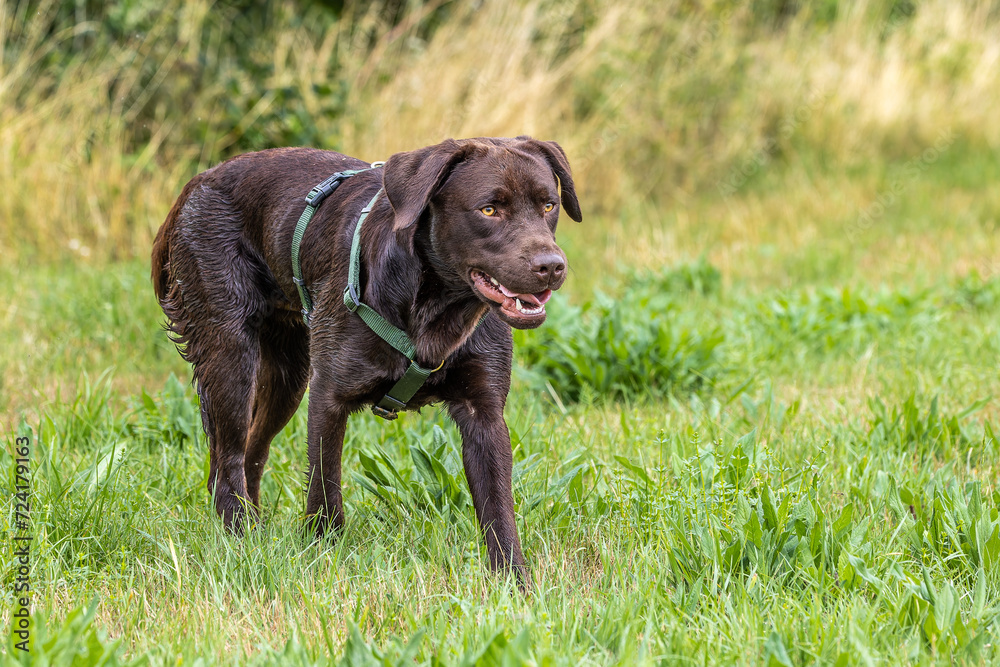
x,y
758,427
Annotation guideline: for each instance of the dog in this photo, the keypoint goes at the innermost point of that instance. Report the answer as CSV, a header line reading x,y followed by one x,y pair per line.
x,y
459,246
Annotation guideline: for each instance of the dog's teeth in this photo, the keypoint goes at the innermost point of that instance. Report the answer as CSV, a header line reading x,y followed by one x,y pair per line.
x,y
534,310
494,280
519,306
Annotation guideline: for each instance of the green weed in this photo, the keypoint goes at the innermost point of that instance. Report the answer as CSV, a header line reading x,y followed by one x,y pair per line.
x,y
641,341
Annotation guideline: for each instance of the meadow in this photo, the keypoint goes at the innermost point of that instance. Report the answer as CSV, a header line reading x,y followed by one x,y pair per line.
x,y
758,426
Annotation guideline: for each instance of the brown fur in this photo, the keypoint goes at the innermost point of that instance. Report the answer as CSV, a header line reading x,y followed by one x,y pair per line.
x,y
222,272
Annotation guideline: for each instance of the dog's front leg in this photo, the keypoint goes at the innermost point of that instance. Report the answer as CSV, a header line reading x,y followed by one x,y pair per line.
x,y
488,461
327,424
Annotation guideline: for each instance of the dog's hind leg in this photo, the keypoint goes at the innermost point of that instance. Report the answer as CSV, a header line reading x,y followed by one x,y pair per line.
x,y
225,385
213,281
281,382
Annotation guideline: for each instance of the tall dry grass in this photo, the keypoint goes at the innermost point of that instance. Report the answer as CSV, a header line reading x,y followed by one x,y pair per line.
x,y
657,104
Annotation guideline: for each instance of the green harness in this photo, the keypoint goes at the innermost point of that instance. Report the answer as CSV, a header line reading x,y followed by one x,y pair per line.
x,y
415,375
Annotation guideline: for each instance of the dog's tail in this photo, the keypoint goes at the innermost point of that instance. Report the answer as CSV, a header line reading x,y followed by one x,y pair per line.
x,y
170,296
167,288
160,261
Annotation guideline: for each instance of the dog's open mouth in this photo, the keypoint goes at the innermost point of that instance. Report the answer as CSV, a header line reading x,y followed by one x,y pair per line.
x,y
519,309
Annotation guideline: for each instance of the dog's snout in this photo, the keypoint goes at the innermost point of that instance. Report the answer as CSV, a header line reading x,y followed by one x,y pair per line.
x,y
549,266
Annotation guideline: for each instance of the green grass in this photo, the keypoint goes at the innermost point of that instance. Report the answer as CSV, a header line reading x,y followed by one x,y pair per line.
x,y
817,486
71,320
758,427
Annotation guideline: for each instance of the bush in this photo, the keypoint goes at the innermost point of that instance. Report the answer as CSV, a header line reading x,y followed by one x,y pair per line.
x,y
832,319
646,340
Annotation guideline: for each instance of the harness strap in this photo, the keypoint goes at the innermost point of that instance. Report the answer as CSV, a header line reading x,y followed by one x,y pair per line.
x,y
352,299
415,375
313,200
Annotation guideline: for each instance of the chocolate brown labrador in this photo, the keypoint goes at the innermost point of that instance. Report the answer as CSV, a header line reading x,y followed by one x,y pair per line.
x,y
464,231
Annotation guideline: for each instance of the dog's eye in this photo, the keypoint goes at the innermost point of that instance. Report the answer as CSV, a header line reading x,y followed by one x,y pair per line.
x,y
488,211
549,207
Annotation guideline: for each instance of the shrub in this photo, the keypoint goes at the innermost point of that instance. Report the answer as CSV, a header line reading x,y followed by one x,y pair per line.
x,y
833,319
646,340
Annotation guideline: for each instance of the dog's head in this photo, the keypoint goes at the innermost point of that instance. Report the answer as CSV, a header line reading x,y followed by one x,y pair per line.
x,y
490,207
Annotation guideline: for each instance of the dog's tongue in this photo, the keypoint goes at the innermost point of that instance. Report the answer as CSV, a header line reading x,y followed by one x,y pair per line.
x,y
533,299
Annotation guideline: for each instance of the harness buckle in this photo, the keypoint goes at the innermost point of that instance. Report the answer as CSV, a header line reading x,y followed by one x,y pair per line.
x,y
388,407
388,415
325,189
351,299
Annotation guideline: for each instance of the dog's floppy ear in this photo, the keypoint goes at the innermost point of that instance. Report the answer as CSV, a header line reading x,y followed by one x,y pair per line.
x,y
556,157
411,179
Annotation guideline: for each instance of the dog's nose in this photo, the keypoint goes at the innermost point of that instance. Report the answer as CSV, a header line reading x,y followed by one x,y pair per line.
x,y
549,266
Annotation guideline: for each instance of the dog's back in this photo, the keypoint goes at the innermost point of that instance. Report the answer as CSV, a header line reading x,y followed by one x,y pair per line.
x,y
260,194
